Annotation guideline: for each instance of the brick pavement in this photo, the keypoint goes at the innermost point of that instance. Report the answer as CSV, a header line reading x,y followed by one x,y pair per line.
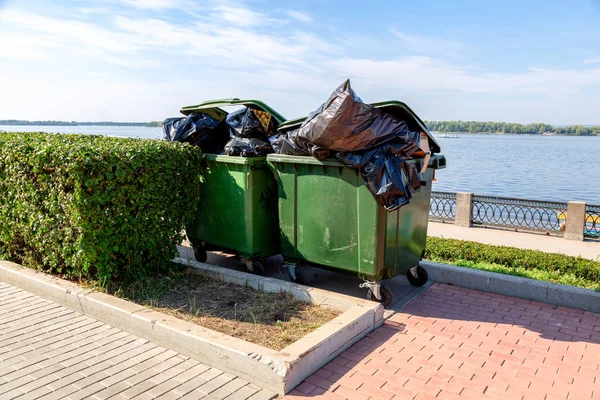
x,y
454,343
50,352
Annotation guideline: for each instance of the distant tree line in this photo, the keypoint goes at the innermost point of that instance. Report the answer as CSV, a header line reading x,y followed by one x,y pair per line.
x,y
75,123
508,127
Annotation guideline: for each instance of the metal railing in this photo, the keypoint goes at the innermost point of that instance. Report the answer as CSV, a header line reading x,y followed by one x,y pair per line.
x,y
521,214
442,206
592,222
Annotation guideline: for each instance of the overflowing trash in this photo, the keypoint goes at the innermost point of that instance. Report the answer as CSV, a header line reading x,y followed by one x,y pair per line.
x,y
362,137
249,130
199,130
359,135
244,132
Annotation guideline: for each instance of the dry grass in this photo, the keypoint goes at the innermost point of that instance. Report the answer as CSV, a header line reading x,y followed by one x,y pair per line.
x,y
273,320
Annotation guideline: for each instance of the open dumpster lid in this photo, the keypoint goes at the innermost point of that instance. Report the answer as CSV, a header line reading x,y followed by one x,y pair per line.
x,y
395,108
213,108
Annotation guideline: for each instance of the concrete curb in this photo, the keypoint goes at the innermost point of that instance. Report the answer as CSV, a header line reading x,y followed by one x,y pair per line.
x,y
545,292
279,371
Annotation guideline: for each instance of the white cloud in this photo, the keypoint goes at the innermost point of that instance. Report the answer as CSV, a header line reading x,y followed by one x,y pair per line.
x,y
123,58
435,75
67,32
153,4
593,60
240,16
428,45
299,16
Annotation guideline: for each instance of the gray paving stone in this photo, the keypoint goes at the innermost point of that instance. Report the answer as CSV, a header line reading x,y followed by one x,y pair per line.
x,y
151,372
111,390
194,395
7,387
242,394
138,389
61,393
218,394
13,394
169,396
87,392
48,352
263,395
235,384
216,383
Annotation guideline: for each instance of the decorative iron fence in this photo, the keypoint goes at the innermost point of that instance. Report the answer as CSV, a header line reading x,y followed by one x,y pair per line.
x,y
442,206
519,213
592,222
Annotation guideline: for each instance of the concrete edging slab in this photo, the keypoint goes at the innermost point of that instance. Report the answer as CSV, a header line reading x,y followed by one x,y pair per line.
x,y
530,289
279,371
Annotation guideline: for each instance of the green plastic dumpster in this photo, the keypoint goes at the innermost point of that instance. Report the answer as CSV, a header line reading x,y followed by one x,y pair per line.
x,y
328,217
237,208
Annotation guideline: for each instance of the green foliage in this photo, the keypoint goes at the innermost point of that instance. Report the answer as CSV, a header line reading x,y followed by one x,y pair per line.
x,y
508,127
94,207
563,278
451,250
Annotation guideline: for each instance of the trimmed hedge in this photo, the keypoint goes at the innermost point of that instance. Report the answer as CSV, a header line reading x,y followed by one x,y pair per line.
x,y
94,207
454,250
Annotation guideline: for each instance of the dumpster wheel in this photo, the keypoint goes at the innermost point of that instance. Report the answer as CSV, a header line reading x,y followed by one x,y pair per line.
x,y
385,293
417,276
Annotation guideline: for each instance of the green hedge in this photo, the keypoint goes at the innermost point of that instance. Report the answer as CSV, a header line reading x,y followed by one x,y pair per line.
x,y
94,207
451,250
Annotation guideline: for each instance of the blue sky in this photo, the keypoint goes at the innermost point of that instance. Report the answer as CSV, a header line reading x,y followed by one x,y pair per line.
x,y
139,60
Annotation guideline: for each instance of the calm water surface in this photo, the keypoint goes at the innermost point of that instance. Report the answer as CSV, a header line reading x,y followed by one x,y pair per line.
x,y
535,167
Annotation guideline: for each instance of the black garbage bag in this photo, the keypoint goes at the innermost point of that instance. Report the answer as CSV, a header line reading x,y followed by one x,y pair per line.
x,y
247,123
289,143
357,159
198,129
361,137
249,131
388,176
248,147
345,123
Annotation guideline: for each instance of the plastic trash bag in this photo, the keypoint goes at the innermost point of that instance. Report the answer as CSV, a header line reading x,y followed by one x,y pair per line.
x,y
250,123
345,123
248,147
198,129
289,143
361,137
388,176
358,159
249,130
387,181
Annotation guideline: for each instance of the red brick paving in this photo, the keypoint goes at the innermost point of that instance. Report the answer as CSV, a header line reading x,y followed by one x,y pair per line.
x,y
454,343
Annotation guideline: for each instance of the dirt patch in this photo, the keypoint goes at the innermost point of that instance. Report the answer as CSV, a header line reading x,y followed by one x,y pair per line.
x,y
273,320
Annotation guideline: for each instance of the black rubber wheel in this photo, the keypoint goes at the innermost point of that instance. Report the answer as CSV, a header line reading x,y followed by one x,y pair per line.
x,y
258,268
200,253
386,296
300,277
420,279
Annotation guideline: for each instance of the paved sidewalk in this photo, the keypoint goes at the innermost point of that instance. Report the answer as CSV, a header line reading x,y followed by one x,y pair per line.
x,y
454,343
50,352
551,244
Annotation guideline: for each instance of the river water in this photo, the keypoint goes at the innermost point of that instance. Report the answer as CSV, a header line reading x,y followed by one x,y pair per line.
x,y
559,168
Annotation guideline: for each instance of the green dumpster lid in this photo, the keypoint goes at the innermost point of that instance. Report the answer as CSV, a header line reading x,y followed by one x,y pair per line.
x,y
213,108
395,108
